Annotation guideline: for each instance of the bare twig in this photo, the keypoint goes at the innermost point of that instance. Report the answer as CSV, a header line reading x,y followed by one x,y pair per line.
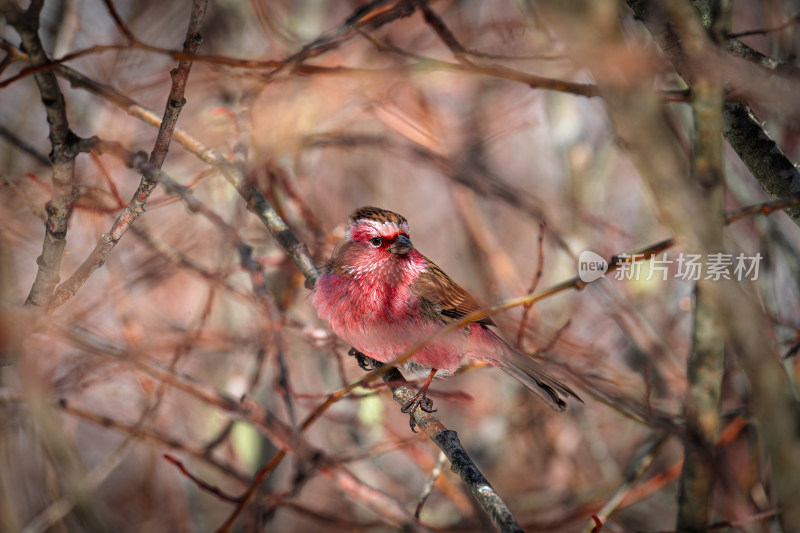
x,y
370,16
149,180
263,420
107,241
213,489
14,140
427,489
496,71
761,31
444,33
644,457
737,48
180,76
460,462
62,157
526,309
766,208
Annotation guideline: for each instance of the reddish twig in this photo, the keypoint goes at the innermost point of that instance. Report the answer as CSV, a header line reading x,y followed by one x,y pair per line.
x,y
213,489
526,309
371,16
263,420
121,26
255,200
111,185
177,55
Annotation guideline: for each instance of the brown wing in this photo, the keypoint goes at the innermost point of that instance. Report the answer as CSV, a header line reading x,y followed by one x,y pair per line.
x,y
444,296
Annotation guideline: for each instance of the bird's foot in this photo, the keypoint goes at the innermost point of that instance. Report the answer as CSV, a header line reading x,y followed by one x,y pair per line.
x,y
366,363
421,401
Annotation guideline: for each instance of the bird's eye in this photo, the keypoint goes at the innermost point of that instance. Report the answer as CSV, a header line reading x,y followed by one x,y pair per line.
x,y
375,241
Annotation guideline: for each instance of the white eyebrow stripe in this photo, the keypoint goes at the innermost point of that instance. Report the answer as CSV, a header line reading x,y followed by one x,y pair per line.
x,y
381,228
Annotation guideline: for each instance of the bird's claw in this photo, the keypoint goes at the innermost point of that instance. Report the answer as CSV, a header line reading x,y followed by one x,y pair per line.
x,y
363,361
418,401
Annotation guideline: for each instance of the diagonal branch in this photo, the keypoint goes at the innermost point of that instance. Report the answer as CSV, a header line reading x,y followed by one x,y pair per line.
x,y
765,208
460,462
149,180
757,150
761,154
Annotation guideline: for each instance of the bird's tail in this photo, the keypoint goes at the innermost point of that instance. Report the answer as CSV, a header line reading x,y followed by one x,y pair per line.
x,y
489,347
528,372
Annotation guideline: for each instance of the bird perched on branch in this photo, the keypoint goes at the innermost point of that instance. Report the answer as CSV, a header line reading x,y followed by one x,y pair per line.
x,y
382,296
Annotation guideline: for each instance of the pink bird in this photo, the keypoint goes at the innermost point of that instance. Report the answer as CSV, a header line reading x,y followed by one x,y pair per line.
x,y
382,296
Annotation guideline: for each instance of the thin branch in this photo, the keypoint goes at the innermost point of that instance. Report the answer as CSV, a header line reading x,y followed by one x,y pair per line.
x,y
761,154
213,489
460,461
644,457
151,175
793,21
738,524
151,172
14,140
430,483
739,49
766,208
180,76
177,55
496,71
537,276
250,412
32,205
370,16
62,156
444,33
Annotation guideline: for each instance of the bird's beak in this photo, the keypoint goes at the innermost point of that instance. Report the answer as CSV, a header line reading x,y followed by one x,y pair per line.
x,y
401,245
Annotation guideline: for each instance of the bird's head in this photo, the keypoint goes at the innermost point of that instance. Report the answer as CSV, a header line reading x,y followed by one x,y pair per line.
x,y
382,231
378,243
